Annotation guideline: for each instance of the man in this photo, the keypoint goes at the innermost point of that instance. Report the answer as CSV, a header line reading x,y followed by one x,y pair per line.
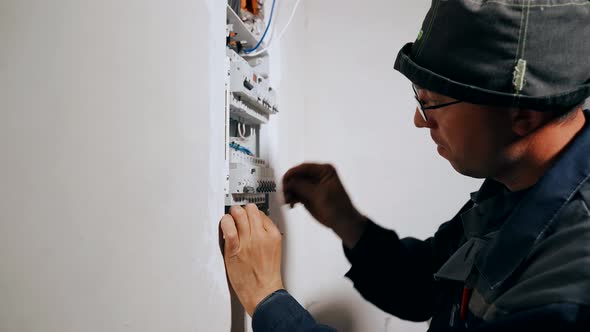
x,y
500,86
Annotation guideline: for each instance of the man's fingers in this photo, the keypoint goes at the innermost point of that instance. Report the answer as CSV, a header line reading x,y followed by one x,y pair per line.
x,y
230,236
266,222
288,197
254,217
309,171
241,218
298,191
269,226
300,182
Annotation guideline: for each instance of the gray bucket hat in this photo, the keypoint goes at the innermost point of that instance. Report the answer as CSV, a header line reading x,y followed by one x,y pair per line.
x,y
531,54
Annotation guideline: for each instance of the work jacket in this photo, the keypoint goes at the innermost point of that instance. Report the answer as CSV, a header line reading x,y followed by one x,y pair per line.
x,y
508,261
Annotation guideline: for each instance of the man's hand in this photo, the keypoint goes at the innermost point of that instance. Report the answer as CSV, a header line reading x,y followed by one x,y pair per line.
x,y
319,189
252,253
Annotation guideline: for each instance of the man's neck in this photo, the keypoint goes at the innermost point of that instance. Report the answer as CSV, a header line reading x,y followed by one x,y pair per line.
x,y
542,147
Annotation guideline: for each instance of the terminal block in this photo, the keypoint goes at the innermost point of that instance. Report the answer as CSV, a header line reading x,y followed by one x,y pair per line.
x,y
250,88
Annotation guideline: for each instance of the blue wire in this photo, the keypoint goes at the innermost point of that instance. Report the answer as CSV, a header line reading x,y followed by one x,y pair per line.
x,y
246,151
240,148
272,9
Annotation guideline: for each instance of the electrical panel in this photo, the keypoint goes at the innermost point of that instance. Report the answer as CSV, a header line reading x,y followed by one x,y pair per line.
x,y
252,97
249,175
250,101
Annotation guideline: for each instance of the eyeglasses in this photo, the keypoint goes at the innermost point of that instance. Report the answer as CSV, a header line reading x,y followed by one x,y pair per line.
x,y
423,108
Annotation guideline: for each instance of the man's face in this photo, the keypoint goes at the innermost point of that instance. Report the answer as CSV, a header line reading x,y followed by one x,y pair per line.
x,y
471,137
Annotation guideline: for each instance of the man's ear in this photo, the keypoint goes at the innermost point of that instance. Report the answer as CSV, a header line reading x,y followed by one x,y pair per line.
x,y
526,121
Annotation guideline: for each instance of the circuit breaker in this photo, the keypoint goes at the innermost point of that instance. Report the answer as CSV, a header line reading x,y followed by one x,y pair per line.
x,y
250,101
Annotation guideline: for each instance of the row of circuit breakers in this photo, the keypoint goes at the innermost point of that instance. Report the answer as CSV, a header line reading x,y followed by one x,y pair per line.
x,y
249,103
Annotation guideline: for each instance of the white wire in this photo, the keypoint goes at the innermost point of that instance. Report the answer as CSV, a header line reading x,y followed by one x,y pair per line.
x,y
290,19
271,39
242,132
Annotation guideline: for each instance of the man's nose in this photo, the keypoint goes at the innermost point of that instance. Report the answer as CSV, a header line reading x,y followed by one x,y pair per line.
x,y
419,121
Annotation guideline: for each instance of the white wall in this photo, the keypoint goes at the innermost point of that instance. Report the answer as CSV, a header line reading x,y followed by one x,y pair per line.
x,y
110,192
358,115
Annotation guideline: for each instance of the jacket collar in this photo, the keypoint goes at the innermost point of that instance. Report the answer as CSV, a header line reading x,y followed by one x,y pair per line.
x,y
492,205
537,210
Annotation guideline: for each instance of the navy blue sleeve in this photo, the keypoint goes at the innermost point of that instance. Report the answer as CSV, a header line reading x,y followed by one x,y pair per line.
x,y
396,274
281,312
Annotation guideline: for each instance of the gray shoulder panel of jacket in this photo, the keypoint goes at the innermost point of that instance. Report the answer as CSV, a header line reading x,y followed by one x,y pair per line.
x,y
557,270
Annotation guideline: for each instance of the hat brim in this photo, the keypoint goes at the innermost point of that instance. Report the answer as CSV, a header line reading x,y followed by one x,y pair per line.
x,y
473,94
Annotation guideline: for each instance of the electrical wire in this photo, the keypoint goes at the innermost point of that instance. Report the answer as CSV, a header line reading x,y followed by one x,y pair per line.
x,y
272,9
271,36
240,132
280,36
240,148
242,128
290,19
